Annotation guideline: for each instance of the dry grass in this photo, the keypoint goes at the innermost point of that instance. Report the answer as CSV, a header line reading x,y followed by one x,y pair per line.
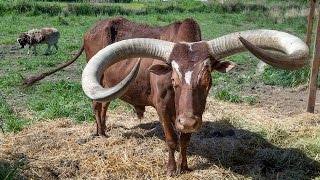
x,y
236,142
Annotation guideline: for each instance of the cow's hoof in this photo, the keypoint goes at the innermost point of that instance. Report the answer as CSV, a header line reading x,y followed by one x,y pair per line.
x,y
171,170
183,169
171,173
99,135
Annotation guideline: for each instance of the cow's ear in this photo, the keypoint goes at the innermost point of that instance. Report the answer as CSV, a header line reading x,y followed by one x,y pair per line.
x,y
223,66
160,69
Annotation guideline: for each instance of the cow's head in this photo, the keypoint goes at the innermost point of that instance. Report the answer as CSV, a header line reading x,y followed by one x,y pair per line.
x,y
23,39
190,65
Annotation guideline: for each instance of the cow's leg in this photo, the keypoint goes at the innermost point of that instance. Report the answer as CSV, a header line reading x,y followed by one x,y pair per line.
x,y
100,110
29,50
140,111
48,49
171,140
103,118
35,49
182,161
56,46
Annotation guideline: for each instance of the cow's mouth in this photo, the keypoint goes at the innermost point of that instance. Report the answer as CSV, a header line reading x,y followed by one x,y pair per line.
x,y
188,124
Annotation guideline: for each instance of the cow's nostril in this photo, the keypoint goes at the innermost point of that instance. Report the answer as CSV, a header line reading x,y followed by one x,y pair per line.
x,y
186,122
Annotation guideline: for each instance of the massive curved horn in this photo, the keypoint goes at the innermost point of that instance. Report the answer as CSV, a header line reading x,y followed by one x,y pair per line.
x,y
139,47
296,52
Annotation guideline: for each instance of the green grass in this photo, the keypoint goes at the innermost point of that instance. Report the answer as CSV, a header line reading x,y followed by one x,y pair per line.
x,y
10,171
59,99
273,76
61,96
227,96
220,21
10,121
215,20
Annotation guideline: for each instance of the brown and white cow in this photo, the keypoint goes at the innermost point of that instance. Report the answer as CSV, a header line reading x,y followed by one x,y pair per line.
x,y
173,74
49,36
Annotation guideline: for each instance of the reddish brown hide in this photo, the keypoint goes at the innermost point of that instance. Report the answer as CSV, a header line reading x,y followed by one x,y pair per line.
x,y
178,100
177,84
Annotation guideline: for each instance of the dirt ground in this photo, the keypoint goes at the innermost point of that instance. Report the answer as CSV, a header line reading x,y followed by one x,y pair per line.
x,y
287,101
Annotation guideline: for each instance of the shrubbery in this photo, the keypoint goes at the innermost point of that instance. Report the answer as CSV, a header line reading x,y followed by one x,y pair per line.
x,y
87,1
38,8
54,9
87,9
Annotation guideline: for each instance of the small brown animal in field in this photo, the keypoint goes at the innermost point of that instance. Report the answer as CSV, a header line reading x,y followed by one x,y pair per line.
x,y
34,37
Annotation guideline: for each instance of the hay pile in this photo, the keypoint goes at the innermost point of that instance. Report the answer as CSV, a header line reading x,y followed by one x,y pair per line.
x,y
228,147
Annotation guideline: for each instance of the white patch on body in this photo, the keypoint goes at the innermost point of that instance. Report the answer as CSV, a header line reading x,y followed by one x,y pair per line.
x,y
188,76
175,65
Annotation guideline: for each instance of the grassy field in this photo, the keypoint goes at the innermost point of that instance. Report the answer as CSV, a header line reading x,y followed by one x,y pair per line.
x,y
47,126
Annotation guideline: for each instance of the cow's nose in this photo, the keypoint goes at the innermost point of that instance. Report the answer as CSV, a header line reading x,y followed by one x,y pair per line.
x,y
187,124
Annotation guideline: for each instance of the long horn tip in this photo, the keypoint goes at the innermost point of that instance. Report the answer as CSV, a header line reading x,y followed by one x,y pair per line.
x,y
243,40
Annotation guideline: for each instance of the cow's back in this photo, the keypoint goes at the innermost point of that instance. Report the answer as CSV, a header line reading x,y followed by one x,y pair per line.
x,y
116,29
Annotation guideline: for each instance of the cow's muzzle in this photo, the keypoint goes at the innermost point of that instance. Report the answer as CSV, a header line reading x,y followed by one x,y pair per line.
x,y
188,123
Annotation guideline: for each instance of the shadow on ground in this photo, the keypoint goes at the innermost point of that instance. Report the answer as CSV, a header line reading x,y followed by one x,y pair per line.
x,y
219,144
9,170
240,151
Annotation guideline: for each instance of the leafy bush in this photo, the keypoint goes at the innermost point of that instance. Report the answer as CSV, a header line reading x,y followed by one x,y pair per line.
x,y
88,9
86,1
21,7
55,9
156,9
51,9
2,9
120,1
84,8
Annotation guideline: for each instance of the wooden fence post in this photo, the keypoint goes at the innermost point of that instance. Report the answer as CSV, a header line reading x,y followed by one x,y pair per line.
x,y
314,71
310,24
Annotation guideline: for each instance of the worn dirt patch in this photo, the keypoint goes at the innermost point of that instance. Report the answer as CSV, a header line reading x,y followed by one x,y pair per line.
x,y
288,101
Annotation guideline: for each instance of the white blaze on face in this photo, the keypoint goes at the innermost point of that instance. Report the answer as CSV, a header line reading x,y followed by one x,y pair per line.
x,y
187,77
175,65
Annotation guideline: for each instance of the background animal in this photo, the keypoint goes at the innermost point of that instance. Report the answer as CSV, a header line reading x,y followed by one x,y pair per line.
x,y
174,74
34,37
